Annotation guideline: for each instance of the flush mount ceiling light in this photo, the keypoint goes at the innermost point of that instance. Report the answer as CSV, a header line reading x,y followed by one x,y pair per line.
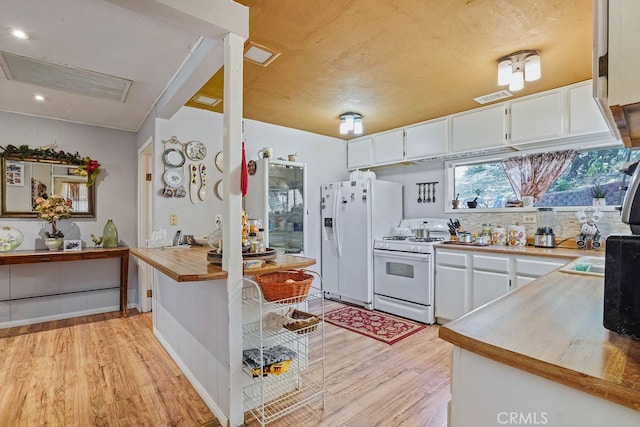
x,y
258,54
39,98
206,100
19,34
518,67
350,122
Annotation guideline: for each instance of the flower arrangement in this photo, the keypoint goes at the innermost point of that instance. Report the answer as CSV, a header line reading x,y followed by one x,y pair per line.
x,y
51,210
90,169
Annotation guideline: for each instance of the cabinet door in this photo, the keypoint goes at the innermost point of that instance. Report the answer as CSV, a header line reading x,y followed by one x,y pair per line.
x,y
536,118
427,139
478,129
584,117
359,153
487,286
523,280
388,147
450,292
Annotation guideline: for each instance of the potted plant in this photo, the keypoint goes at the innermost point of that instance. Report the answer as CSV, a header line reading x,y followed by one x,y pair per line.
x,y
598,194
474,203
52,209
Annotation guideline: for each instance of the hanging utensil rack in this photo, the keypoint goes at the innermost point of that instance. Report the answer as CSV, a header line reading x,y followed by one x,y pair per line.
x,y
427,191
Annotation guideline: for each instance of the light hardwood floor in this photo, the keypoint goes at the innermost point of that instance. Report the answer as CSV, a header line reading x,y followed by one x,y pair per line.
x,y
105,370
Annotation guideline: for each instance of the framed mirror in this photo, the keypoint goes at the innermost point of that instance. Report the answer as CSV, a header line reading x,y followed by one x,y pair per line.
x,y
24,180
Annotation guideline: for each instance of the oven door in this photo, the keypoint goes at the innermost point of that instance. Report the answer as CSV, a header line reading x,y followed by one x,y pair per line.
x,y
403,275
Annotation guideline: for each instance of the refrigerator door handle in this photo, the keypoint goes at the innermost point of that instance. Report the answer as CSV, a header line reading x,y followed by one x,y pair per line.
x,y
336,222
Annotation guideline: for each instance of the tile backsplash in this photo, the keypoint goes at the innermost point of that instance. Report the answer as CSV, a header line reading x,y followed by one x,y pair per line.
x,y
569,224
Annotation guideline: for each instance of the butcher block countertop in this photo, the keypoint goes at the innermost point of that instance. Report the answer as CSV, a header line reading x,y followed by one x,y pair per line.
x,y
191,265
553,328
568,253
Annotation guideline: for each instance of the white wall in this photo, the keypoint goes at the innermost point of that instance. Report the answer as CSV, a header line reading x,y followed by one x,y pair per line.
x,y
325,158
115,186
429,171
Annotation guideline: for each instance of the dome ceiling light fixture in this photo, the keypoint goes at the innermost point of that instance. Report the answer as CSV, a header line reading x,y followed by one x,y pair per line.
x,y
351,122
518,67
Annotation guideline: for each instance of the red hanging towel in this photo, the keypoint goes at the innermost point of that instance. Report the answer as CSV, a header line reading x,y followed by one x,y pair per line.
x,y
244,174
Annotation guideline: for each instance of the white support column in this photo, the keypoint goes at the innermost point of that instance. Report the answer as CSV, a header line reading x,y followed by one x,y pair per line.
x,y
232,244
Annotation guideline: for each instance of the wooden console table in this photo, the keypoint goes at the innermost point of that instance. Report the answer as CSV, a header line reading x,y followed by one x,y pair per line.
x,y
38,256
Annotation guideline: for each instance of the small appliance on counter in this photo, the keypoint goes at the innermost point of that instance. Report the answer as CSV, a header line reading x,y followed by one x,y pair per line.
x,y
544,237
622,266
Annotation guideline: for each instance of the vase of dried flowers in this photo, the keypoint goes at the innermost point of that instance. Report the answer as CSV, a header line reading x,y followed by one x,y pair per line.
x,y
52,209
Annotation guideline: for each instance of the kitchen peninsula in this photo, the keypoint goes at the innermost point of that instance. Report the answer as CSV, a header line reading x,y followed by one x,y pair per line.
x,y
197,316
541,354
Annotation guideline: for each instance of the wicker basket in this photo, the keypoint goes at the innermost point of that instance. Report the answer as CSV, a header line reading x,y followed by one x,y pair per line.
x,y
290,286
301,322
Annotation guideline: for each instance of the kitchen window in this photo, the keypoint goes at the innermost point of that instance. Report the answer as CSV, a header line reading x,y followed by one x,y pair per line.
x,y
487,181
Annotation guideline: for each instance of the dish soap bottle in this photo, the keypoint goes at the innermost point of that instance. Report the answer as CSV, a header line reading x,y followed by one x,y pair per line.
x,y
110,235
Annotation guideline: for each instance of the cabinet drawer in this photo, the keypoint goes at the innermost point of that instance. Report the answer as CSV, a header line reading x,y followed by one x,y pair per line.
x,y
537,267
490,263
452,259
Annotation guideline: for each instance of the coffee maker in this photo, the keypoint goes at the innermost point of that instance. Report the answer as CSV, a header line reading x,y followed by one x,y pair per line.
x,y
622,266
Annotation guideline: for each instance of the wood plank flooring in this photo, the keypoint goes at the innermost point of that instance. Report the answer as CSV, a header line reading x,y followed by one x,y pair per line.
x,y
104,370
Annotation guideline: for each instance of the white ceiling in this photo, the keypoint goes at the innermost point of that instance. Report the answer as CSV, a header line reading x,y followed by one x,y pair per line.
x,y
94,35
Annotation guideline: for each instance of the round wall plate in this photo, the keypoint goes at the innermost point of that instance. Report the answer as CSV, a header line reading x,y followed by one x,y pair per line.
x,y
173,157
196,150
219,189
219,161
173,177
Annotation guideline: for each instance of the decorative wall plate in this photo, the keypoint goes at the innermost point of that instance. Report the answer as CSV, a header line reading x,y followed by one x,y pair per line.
x,y
219,190
251,167
173,157
10,238
173,177
219,161
196,150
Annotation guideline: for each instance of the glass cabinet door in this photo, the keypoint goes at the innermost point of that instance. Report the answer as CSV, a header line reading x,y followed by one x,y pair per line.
x,y
286,208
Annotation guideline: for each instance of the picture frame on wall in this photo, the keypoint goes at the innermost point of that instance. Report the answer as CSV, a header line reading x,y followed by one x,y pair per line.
x,y
72,245
15,174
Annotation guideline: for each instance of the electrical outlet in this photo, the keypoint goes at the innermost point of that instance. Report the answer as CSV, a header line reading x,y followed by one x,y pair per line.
x,y
173,219
218,218
529,219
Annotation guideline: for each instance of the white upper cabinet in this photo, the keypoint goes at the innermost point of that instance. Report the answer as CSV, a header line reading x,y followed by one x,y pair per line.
x,y
427,139
537,118
584,114
359,153
483,128
388,147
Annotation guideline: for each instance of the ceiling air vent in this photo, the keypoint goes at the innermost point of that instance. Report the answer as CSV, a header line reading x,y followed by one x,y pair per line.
x,y
67,79
495,96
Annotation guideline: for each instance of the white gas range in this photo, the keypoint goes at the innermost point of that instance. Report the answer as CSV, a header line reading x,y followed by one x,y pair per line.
x,y
403,270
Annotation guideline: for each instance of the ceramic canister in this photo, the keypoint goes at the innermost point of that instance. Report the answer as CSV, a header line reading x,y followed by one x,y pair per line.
x,y
517,235
499,236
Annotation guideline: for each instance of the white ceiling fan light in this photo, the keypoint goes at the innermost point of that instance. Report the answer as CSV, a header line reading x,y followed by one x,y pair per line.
x,y
517,81
518,67
532,68
351,122
504,72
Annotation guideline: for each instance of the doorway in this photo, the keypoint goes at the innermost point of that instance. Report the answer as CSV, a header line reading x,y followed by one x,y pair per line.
x,y
145,222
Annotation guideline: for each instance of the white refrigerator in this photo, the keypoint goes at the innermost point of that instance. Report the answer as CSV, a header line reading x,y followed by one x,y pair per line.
x,y
353,213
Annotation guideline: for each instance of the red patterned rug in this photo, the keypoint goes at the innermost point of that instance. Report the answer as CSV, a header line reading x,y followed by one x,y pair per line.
x,y
374,324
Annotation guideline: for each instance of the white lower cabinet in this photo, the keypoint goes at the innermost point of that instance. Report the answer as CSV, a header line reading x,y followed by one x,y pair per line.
x,y
527,269
282,389
452,284
468,279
